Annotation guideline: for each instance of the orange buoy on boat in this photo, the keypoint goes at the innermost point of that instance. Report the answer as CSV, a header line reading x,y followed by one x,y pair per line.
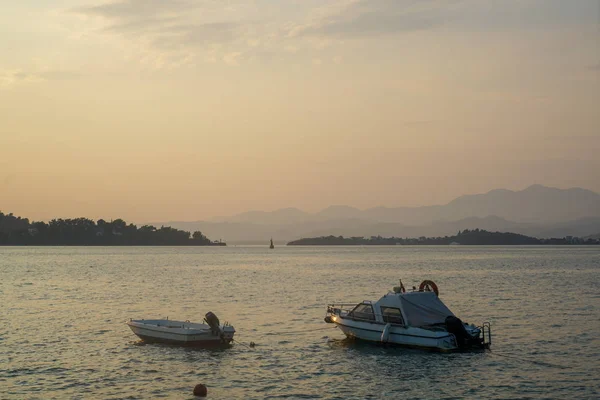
x,y
428,286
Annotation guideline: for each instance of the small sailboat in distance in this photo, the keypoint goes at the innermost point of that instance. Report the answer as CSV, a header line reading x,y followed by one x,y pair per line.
x,y
271,246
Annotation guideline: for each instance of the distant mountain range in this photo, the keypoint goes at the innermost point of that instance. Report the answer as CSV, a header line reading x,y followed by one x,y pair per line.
x,y
537,211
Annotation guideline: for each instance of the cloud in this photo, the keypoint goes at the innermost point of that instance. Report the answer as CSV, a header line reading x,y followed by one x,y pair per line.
x,y
16,76
138,9
357,18
239,26
201,34
58,75
181,29
232,58
252,27
11,77
362,18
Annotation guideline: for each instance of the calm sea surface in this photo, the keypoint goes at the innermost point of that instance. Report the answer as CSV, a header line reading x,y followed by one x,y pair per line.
x,y
63,313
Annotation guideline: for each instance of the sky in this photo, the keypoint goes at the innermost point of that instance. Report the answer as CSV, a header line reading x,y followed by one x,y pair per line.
x,y
188,109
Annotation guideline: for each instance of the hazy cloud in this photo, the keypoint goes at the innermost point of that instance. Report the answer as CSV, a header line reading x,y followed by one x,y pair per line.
x,y
10,77
356,18
58,75
199,34
138,9
239,26
369,17
182,26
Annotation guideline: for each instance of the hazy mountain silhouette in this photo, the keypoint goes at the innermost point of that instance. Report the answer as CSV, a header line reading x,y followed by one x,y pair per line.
x,y
536,211
281,216
340,212
537,203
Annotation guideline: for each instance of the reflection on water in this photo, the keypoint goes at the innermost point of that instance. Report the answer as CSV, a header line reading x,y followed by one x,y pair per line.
x,y
63,331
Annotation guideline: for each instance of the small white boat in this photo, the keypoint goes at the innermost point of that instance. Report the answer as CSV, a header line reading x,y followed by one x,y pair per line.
x,y
413,319
210,333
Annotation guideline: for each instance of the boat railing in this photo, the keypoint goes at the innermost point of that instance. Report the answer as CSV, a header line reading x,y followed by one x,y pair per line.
x,y
485,334
338,308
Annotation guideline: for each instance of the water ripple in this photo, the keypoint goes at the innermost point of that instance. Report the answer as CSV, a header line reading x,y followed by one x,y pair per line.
x,y
63,329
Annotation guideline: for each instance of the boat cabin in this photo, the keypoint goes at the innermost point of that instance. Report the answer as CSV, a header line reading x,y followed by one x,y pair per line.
x,y
418,309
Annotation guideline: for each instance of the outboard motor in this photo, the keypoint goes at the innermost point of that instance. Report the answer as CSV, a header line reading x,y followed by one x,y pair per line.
x,y
455,326
212,321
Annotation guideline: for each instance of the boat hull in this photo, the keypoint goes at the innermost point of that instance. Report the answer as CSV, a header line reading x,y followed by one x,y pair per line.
x,y
396,335
187,343
181,333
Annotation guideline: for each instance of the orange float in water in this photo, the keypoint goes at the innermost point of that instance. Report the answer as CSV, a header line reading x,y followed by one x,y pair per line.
x,y
200,390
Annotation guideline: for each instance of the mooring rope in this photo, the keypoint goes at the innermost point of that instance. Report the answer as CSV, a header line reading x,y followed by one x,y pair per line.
x,y
252,344
303,331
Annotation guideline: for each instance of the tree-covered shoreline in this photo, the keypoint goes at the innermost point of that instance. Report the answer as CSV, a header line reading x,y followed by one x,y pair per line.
x,y
17,231
467,237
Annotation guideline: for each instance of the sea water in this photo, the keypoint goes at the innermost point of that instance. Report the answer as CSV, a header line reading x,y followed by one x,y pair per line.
x,y
63,312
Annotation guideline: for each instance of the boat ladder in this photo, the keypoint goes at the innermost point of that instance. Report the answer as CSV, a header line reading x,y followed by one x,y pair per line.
x,y
486,335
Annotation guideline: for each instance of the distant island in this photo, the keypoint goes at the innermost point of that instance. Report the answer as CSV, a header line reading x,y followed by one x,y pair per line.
x,y
17,231
465,237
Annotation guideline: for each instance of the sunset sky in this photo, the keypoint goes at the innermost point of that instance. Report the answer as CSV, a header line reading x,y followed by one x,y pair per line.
x,y
156,110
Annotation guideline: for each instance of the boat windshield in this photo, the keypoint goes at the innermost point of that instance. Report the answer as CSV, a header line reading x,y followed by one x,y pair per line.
x,y
363,311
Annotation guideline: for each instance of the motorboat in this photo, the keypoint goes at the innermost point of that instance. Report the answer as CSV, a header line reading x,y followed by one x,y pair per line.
x,y
416,318
209,333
